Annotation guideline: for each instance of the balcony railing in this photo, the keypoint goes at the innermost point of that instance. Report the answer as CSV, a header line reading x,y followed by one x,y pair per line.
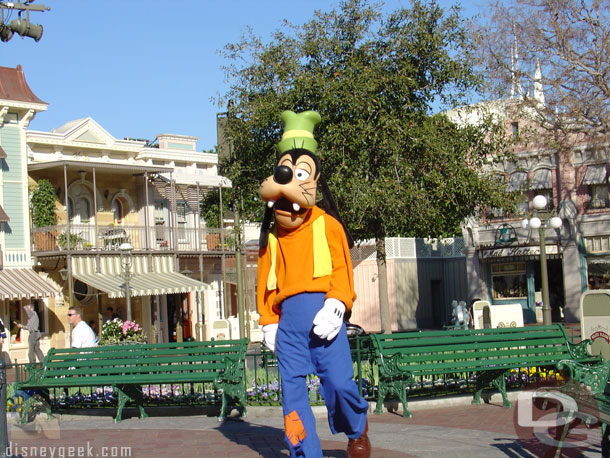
x,y
85,237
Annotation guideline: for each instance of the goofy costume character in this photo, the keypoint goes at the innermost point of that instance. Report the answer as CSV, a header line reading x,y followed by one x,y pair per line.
x,y
305,285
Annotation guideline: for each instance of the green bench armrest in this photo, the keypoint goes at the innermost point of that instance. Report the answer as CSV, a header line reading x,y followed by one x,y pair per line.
x,y
581,350
594,378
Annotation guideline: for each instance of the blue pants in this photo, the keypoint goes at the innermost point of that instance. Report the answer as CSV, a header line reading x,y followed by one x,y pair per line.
x,y
300,352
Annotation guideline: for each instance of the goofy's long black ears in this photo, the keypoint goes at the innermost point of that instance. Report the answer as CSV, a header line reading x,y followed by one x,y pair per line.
x,y
330,206
265,227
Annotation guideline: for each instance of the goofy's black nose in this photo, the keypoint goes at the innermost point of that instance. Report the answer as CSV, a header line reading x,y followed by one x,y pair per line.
x,y
282,174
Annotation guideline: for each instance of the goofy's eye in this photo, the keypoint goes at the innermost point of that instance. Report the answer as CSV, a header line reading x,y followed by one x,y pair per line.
x,y
301,174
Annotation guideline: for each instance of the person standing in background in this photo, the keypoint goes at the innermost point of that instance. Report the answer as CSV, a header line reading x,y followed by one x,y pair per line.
x,y
32,326
82,335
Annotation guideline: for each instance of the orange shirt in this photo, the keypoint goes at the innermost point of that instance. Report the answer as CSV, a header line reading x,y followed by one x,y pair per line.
x,y
295,267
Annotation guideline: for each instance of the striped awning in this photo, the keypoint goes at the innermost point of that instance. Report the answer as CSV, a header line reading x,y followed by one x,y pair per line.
x,y
24,284
517,181
595,174
542,179
145,280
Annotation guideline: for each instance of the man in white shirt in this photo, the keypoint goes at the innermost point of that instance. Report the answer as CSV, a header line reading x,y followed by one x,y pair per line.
x,y
82,335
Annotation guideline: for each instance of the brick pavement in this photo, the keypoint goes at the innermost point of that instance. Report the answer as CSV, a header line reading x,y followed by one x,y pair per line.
x,y
484,431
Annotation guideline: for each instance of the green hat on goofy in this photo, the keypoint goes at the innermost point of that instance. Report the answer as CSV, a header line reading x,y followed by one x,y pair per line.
x,y
298,131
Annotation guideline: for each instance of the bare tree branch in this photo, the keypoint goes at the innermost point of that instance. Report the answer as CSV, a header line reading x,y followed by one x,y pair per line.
x,y
571,41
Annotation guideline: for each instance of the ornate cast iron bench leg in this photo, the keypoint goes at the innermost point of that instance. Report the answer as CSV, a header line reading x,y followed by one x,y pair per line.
x,y
129,393
491,378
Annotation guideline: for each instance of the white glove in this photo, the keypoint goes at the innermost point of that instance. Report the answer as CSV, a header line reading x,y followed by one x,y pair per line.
x,y
329,319
269,333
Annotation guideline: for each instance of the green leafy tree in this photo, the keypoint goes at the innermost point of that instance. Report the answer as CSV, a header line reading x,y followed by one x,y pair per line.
x,y
394,169
43,204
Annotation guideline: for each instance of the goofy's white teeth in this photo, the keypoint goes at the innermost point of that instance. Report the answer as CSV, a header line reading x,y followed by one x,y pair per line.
x,y
270,204
296,207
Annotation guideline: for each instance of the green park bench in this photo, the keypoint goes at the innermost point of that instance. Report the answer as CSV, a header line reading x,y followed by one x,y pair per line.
x,y
126,368
489,353
588,398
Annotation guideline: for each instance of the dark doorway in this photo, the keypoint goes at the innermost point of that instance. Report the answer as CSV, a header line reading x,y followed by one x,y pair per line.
x,y
178,309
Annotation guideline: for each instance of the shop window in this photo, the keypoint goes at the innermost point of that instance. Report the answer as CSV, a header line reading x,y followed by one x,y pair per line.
x,y
509,281
599,196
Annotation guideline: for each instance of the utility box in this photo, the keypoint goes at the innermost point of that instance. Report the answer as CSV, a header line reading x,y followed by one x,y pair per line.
x,y
595,320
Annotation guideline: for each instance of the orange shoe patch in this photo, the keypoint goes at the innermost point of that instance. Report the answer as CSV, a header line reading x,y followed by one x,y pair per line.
x,y
295,431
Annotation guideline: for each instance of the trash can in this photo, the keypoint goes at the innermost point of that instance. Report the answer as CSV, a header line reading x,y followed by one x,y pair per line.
x,y
595,320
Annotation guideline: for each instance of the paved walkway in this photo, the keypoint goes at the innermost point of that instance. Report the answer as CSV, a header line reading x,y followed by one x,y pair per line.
x,y
445,428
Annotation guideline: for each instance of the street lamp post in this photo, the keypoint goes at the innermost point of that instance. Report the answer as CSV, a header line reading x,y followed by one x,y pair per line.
x,y
535,222
126,259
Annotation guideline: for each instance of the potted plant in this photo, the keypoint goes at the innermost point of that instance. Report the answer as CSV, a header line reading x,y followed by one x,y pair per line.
x,y
119,332
43,214
75,240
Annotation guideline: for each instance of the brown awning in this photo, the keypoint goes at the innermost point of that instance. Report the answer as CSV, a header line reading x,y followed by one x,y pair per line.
x,y
2,153
4,218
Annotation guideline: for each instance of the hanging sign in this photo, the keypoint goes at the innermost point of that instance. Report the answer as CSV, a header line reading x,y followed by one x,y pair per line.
x,y
516,251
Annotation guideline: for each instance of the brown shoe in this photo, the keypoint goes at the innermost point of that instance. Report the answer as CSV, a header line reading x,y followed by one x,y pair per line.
x,y
361,447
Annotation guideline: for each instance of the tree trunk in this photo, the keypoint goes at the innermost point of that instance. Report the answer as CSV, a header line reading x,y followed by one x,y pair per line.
x,y
384,302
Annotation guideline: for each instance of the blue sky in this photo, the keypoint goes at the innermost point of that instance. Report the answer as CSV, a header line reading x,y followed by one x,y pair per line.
x,y
141,68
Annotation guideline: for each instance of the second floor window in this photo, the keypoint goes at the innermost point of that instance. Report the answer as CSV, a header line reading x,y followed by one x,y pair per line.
x,y
117,210
596,178
542,184
181,220
548,193
599,196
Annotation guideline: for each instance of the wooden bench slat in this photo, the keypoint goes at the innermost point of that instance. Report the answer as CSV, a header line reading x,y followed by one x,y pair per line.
x,y
472,339
476,346
141,359
149,368
142,352
474,365
489,353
